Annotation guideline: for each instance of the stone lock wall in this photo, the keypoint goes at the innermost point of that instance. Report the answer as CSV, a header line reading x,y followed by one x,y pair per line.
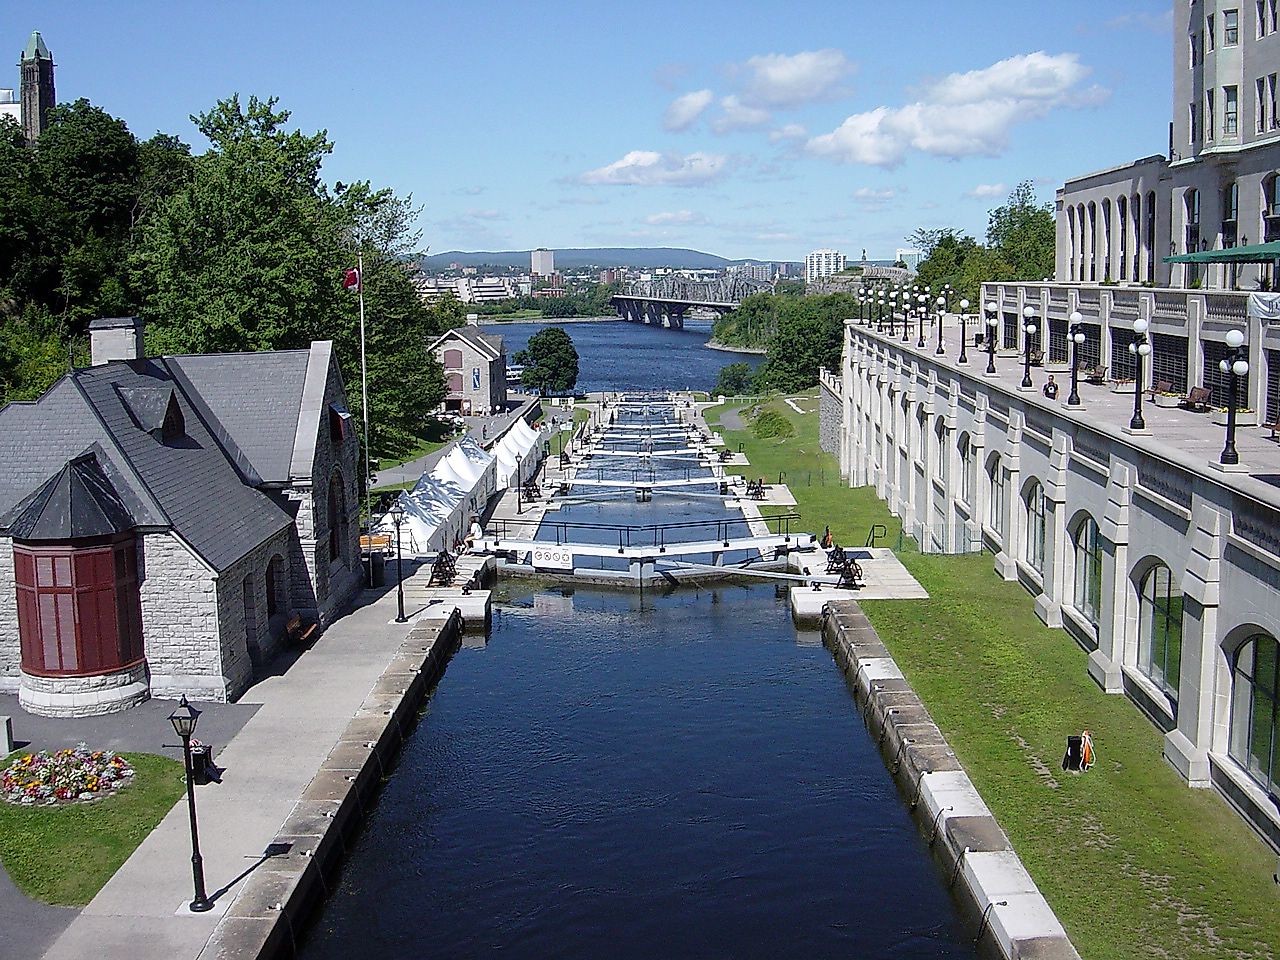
x,y
830,412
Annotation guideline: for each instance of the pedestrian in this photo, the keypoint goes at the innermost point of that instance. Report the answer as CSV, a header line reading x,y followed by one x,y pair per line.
x,y
474,534
1051,388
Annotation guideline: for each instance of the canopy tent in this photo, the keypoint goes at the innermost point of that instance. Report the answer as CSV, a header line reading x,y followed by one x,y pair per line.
x,y
518,441
1256,253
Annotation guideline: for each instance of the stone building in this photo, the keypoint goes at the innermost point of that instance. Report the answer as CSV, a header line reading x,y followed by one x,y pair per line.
x,y
162,519
475,371
37,94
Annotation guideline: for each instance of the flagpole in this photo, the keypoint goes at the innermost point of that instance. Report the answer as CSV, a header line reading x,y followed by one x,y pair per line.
x,y
364,386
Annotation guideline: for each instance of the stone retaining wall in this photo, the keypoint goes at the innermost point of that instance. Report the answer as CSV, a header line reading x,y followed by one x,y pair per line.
x,y
280,897
829,418
997,895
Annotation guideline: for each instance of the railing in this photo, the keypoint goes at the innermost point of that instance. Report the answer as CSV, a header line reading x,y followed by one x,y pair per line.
x,y
644,535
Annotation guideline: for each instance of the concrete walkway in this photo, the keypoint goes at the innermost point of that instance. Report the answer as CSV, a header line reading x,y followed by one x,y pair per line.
x,y
141,912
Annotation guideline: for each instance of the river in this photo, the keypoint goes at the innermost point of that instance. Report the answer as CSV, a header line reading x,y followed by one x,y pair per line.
x,y
616,355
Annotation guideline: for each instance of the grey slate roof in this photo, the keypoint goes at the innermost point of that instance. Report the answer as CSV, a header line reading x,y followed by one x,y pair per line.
x,y
256,397
491,346
78,501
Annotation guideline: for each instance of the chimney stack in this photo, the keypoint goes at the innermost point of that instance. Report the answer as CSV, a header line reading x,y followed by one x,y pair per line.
x,y
115,338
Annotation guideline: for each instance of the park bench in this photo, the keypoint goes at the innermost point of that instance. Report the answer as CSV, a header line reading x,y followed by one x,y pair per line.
x,y
1096,375
1197,399
1037,358
443,570
298,632
1160,386
531,490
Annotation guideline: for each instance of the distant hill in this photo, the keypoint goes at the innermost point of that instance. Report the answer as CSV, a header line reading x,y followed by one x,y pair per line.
x,y
576,258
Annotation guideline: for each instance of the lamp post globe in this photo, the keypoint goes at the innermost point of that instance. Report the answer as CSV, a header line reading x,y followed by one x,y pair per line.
x,y
184,720
519,484
964,331
993,321
1235,366
1076,325
1140,348
921,310
942,302
1029,330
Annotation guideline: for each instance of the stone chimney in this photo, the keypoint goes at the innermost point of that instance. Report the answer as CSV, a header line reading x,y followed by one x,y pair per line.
x,y
115,338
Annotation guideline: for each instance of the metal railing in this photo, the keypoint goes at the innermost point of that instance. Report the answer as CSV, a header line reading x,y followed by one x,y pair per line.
x,y
657,535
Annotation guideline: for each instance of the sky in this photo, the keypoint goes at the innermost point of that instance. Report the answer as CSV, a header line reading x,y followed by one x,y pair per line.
x,y
744,129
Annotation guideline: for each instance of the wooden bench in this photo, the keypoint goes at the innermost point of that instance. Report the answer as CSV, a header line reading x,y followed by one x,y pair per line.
x,y
443,570
298,633
1095,375
1160,386
378,541
1197,399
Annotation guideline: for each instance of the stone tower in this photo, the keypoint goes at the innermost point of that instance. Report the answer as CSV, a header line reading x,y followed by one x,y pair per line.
x,y
37,87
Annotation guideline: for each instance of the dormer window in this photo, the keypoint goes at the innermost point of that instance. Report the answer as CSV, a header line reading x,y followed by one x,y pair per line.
x,y
156,410
339,423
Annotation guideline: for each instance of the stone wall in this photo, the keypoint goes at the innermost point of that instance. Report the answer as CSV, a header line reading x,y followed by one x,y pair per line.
x,y
10,647
248,638
829,416
180,620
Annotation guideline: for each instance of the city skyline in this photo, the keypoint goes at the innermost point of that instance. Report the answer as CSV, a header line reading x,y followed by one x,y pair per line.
x,y
745,137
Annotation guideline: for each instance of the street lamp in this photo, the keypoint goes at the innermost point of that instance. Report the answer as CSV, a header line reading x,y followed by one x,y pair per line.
x,y
519,481
921,310
1077,339
1139,348
993,321
1029,330
908,301
1235,366
942,302
184,725
964,331
397,517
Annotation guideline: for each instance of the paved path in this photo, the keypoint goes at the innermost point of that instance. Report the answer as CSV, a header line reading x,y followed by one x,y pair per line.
x,y
140,914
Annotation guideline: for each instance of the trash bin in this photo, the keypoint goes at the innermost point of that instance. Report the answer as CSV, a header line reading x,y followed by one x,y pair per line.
x,y
201,761
377,569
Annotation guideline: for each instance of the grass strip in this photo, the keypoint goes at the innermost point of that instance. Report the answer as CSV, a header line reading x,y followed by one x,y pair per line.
x,y
64,855
1134,863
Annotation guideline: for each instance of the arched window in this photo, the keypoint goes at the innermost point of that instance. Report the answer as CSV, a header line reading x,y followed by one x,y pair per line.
x,y
1035,526
453,359
337,518
1255,721
941,452
1088,563
1106,238
1093,241
1122,228
1160,629
1071,235
1151,236
1191,217
995,476
966,468
454,381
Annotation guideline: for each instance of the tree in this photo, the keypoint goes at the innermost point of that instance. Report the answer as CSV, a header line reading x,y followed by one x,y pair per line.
x,y
550,362
1023,234
734,379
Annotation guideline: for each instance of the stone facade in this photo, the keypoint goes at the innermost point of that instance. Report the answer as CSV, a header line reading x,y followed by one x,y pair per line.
x,y
333,580
830,413
10,649
964,460
180,620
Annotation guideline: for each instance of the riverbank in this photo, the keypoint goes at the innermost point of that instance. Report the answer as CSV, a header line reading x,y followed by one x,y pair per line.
x,y
523,317
730,348
1132,861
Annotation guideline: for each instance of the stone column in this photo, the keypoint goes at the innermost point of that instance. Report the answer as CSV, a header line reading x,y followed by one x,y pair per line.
x,y
1005,562
1056,540
980,507
1187,746
1115,625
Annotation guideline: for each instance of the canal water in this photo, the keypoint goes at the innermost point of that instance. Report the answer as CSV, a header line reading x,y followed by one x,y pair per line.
x,y
615,356
616,776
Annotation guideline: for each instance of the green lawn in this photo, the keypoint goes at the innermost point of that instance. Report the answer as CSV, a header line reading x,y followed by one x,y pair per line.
x,y
1134,863
63,855
420,449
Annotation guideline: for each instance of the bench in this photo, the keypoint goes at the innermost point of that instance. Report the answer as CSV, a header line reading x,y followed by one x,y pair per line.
x,y
1037,358
531,490
1095,375
1197,399
298,633
378,541
1160,386
443,570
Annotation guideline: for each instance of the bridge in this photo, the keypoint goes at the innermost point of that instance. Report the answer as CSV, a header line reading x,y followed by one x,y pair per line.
x,y
663,301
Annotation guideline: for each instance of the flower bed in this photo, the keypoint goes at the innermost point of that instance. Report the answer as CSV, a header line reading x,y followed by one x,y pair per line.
x,y
66,776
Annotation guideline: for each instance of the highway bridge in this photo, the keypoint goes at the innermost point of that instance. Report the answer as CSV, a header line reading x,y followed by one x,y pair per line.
x,y
664,301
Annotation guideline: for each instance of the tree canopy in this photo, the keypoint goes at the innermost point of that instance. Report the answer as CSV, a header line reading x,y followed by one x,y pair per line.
x,y
550,362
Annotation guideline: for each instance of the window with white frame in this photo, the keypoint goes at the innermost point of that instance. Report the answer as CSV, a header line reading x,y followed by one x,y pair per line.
x,y
1210,116
1255,710
966,469
1230,28
1160,629
995,476
1260,103
1088,564
1035,526
1262,18
1230,111
1208,32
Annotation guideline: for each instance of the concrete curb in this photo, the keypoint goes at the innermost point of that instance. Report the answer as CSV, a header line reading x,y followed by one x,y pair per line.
x,y
996,894
279,897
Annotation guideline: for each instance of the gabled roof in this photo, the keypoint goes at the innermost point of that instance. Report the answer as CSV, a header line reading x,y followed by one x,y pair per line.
x,y
76,502
489,346
36,50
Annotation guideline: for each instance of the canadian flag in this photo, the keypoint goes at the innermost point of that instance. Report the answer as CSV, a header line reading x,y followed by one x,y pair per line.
x,y
351,279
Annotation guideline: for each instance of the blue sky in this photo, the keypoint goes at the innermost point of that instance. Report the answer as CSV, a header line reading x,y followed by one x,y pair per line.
x,y
747,129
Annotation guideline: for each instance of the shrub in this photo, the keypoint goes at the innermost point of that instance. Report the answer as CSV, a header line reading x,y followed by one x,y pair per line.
x,y
772,424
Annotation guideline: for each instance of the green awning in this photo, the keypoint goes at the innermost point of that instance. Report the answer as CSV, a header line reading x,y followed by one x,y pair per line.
x,y
1257,253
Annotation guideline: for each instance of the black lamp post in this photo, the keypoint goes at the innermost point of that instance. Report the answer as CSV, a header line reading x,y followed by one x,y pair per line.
x,y
1077,339
519,482
964,331
397,517
921,310
1139,348
184,725
942,302
908,301
993,321
1028,331
1235,366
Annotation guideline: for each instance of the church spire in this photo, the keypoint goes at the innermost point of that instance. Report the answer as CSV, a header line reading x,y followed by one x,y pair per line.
x,y
38,98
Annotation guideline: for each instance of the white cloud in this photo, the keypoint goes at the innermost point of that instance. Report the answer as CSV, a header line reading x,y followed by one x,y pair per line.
x,y
964,114
648,168
789,131
673,217
871,196
987,190
484,214
686,108
782,80
737,115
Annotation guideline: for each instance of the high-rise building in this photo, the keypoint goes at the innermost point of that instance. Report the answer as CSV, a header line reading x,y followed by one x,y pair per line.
x,y
911,258
36,69
823,263
542,262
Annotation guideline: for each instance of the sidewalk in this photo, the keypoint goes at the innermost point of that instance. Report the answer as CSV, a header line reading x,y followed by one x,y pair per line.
x,y
141,912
